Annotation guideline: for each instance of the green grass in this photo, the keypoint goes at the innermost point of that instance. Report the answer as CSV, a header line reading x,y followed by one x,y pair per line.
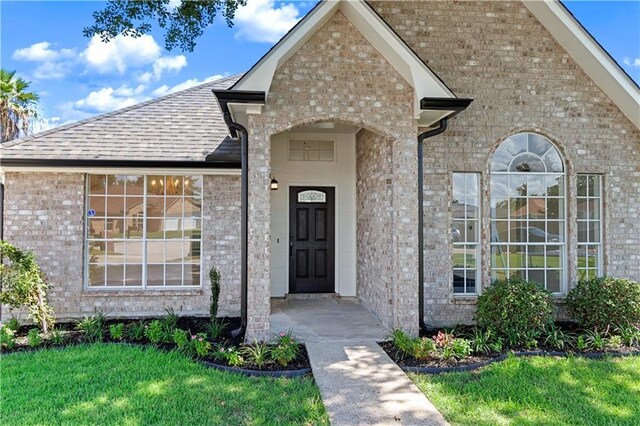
x,y
113,384
540,391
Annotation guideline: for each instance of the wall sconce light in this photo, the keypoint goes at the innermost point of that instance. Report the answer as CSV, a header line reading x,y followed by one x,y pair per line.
x,y
274,184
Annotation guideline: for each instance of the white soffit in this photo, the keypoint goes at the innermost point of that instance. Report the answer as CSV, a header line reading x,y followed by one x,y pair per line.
x,y
591,57
376,31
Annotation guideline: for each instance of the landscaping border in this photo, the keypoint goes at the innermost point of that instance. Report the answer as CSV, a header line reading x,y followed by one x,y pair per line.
x,y
471,367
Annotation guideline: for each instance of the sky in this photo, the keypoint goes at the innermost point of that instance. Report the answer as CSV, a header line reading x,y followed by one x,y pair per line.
x,y
78,77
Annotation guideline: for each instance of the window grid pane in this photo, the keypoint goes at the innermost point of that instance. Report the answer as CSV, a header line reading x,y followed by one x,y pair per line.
x,y
143,231
465,232
589,226
528,213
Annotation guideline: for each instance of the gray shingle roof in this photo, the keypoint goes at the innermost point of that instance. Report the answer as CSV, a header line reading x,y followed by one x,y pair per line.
x,y
185,125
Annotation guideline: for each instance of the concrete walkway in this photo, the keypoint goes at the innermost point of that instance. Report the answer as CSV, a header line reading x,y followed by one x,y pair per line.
x,y
359,383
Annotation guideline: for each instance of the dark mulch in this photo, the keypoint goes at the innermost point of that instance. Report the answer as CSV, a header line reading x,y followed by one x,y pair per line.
x,y
409,361
302,361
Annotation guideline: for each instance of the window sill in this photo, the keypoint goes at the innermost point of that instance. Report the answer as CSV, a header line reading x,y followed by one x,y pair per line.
x,y
465,299
138,292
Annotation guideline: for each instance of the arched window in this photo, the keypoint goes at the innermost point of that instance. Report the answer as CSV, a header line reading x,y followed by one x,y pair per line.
x,y
528,211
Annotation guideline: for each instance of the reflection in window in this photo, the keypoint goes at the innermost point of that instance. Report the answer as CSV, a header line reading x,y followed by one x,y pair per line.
x,y
465,232
144,231
528,211
589,226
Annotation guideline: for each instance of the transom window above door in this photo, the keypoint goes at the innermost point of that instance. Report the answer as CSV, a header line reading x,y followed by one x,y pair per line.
x,y
528,212
311,150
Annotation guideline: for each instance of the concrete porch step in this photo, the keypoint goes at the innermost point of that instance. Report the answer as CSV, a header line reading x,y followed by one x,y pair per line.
x,y
313,296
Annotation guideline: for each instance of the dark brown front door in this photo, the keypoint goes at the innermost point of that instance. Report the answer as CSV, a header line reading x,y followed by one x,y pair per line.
x,y
311,240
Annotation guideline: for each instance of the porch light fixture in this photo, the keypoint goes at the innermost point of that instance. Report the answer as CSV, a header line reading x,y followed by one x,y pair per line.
x,y
274,184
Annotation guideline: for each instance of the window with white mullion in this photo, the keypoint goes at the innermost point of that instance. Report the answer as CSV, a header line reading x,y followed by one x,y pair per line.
x,y
465,232
589,221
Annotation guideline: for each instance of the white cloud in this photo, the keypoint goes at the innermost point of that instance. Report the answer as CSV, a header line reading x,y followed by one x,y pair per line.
x,y
635,63
165,90
120,53
52,63
109,99
261,20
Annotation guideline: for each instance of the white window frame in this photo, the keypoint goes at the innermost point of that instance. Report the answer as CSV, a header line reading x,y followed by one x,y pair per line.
x,y
465,244
303,139
600,220
564,265
143,286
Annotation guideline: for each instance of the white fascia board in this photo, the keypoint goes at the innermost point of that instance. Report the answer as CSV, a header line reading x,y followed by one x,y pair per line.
x,y
374,29
587,53
121,170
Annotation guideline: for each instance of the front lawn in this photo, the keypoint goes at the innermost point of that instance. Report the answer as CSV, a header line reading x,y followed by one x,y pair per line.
x,y
540,390
116,384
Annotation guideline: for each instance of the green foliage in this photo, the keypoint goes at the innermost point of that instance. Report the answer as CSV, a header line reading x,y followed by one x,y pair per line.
x,y
516,310
13,324
456,349
423,348
18,107
169,324
581,343
594,340
285,348
557,338
614,343
605,302
214,277
484,342
215,328
184,24
257,353
57,338
181,340
24,286
155,332
200,347
7,337
402,341
630,334
230,355
116,331
34,339
136,330
93,327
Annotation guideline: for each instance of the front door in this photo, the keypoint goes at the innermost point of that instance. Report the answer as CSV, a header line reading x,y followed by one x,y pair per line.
x,y
311,240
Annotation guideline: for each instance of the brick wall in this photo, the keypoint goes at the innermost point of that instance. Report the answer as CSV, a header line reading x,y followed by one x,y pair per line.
x,y
44,213
522,80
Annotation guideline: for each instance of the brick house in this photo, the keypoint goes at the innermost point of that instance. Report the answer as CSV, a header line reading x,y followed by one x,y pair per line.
x,y
419,150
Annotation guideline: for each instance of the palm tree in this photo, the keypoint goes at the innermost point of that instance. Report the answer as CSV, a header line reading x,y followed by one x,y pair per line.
x,y
18,108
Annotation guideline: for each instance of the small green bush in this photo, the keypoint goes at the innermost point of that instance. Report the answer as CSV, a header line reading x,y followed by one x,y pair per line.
x,y
7,337
630,334
423,348
34,339
214,277
403,342
181,340
516,310
557,338
155,332
57,338
136,330
200,347
257,353
93,327
285,349
605,302
116,331
13,324
484,342
457,349
230,355
215,328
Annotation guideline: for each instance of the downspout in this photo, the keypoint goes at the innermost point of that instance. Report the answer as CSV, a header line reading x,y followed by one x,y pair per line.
x,y
421,137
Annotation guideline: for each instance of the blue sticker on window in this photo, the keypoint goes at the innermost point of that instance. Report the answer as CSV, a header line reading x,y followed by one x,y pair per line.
x,y
91,212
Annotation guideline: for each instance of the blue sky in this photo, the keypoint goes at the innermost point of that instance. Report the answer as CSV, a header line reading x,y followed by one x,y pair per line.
x,y
79,77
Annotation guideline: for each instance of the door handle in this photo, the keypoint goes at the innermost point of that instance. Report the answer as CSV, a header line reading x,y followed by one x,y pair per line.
x,y
290,245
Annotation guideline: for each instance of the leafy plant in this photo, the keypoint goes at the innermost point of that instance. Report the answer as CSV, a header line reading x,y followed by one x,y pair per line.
x,y
23,285
214,277
461,348
442,339
136,330
13,324
557,338
215,328
605,302
92,327
181,340
285,349
484,342
18,107
630,334
116,331
594,340
423,348
257,353
230,355
155,332
581,343
7,337
200,347
614,342
403,342
34,339
57,338
517,310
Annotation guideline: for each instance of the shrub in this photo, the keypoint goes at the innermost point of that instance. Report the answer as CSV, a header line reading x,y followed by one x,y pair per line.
x,y
181,340
460,348
200,347
92,327
155,332
34,339
423,348
614,342
136,330
285,349
214,277
581,343
215,328
23,285
116,331
593,339
7,337
484,342
13,324
516,309
257,353
230,355
557,339
605,302
57,338
403,342
630,334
